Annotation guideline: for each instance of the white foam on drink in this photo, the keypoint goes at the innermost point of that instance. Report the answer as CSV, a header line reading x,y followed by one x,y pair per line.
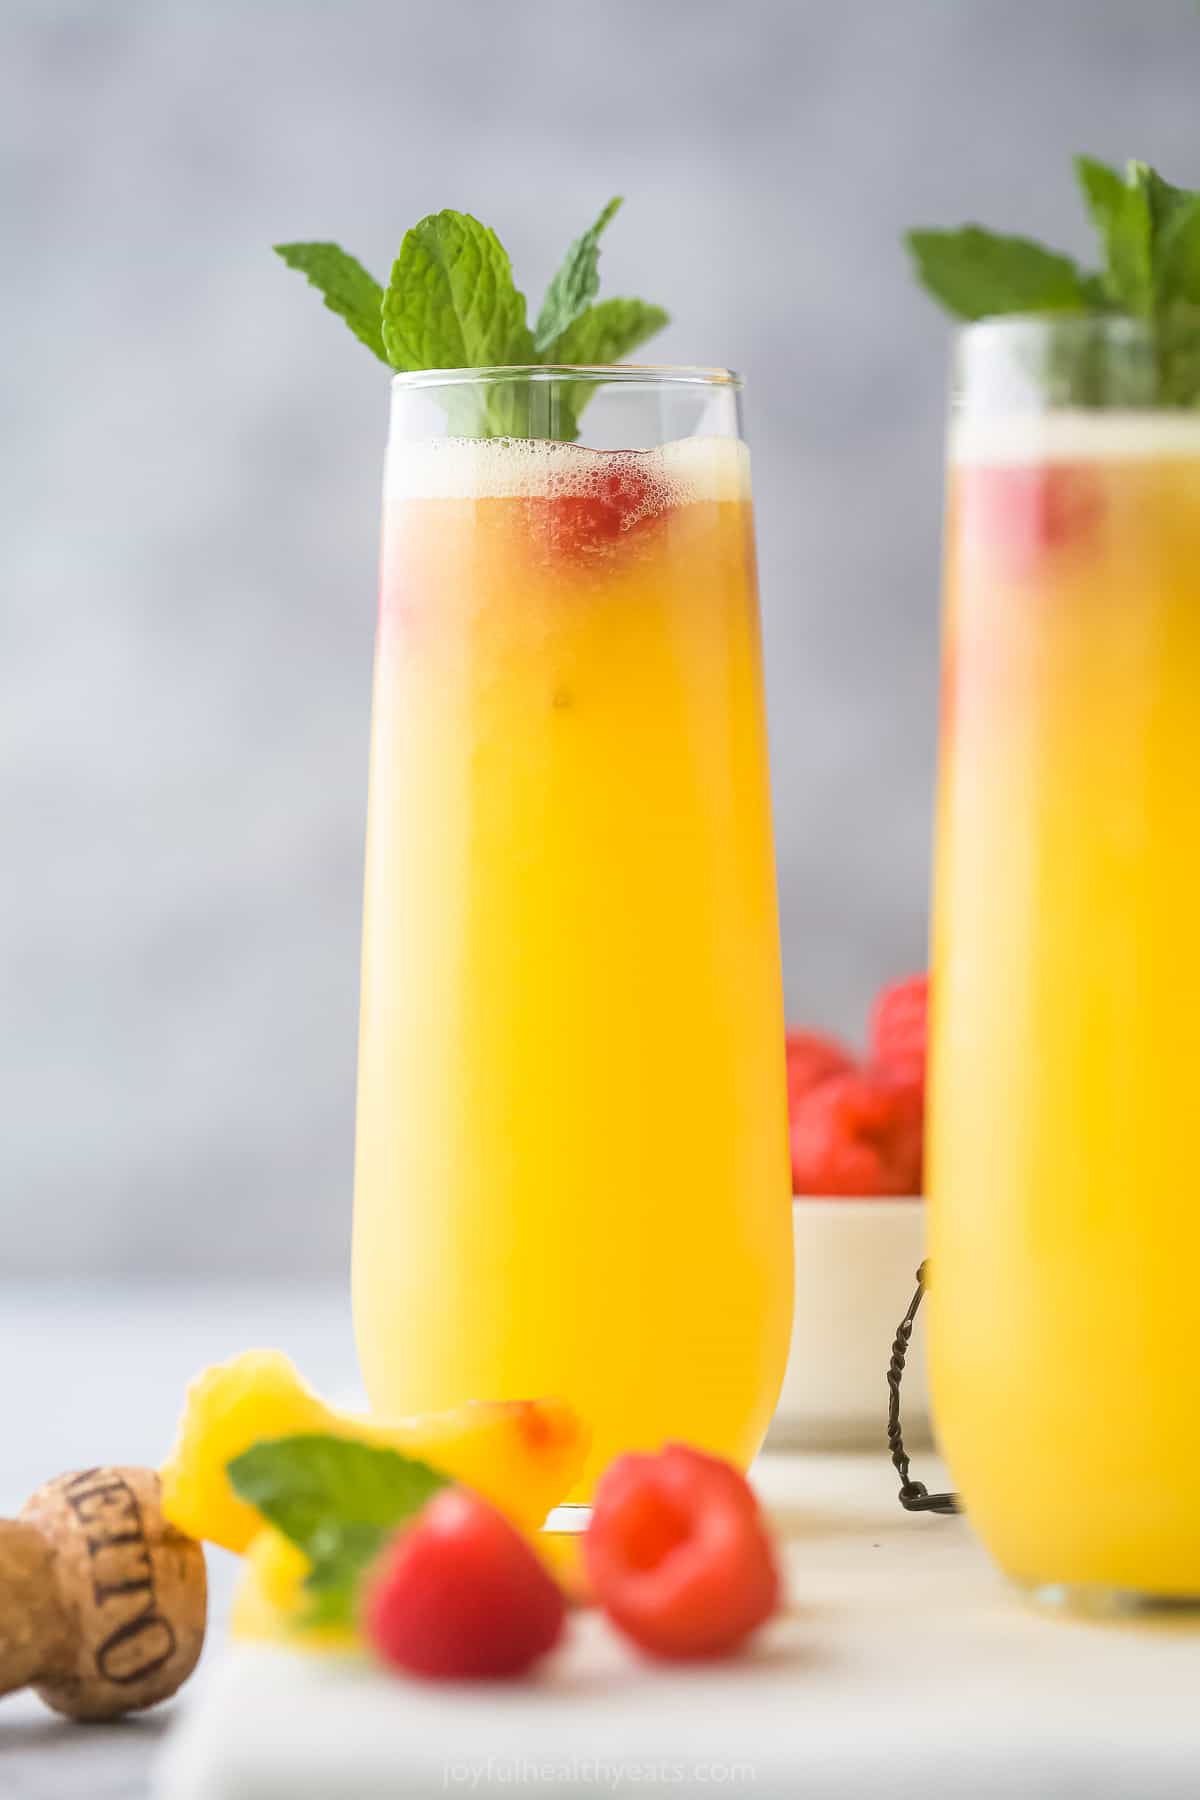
x,y
697,468
1074,435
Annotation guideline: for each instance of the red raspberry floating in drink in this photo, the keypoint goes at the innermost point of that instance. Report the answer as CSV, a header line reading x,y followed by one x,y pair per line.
x,y
459,1594
679,1555
859,1134
813,1057
619,501
900,1026
1023,512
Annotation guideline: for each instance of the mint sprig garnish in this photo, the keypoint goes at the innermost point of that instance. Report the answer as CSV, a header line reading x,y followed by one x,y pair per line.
x,y
452,303
338,1501
1149,234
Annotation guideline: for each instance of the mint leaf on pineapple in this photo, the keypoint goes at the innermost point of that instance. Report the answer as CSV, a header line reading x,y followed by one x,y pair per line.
x,y
574,287
344,285
608,331
451,302
344,1548
340,1558
974,273
339,1501
313,1484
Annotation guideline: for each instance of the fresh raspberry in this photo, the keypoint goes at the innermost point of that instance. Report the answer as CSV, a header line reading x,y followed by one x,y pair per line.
x,y
899,1026
679,1555
623,503
460,1594
813,1057
859,1134
1023,511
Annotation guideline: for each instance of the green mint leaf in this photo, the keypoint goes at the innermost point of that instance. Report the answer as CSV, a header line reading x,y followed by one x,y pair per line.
x,y
313,1484
344,285
1178,253
336,1604
1094,288
608,331
1174,214
1179,354
340,1557
451,302
1120,210
348,1544
977,273
575,285
1162,196
605,333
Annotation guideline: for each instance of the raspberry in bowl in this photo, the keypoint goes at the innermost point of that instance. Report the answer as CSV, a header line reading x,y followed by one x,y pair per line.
x,y
857,1138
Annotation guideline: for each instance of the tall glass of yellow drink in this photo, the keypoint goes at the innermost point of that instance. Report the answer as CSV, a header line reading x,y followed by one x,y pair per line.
x,y
572,1167
1065,1229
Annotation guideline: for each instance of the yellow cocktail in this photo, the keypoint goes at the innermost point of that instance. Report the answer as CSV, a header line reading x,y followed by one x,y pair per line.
x,y
572,1170
1065,1246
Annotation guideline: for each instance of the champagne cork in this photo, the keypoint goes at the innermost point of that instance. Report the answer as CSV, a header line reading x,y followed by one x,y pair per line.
x,y
102,1602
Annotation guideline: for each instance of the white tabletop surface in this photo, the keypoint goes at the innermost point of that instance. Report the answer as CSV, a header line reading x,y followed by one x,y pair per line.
x,y
903,1665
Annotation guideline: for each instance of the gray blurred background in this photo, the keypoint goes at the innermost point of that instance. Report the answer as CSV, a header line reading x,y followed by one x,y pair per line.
x,y
191,469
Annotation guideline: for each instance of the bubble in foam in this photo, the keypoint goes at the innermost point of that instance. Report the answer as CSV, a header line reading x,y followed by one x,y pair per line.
x,y
691,469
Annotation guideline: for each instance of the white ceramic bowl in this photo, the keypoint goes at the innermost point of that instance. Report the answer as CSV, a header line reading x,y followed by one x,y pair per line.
x,y
856,1265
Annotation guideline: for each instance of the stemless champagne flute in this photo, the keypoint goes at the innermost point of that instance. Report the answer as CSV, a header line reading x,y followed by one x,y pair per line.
x,y
572,1171
1065,1230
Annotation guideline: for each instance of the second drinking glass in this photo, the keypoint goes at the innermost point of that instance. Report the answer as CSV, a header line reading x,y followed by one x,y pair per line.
x,y
1065,1236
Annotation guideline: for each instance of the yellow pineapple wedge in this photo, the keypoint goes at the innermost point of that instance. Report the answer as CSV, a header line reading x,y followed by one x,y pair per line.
x,y
270,1601
522,1455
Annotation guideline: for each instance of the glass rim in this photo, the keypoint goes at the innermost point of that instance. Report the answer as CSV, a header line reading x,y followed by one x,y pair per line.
x,y
1038,363
613,374
1007,325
